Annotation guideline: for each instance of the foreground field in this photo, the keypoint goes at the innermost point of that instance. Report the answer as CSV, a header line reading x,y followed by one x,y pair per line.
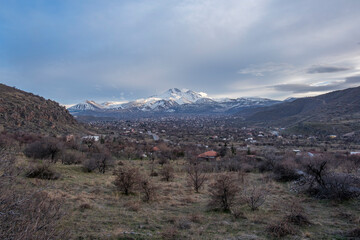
x,y
95,210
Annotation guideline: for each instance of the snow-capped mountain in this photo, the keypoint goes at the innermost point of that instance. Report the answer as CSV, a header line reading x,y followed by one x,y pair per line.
x,y
181,96
86,106
173,100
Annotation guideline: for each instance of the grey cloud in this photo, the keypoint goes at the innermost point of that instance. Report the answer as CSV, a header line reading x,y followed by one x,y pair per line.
x,y
305,88
99,48
326,69
353,79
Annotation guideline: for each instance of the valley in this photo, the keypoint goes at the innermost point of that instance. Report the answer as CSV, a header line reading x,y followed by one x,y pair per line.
x,y
165,177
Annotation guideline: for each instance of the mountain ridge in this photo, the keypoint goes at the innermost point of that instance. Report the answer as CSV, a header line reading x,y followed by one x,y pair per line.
x,y
336,112
173,100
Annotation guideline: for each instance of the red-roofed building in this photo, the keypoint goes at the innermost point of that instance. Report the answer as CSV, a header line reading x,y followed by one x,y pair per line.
x,y
156,149
210,155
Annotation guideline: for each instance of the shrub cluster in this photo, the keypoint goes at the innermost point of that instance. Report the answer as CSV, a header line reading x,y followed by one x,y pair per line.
x,y
128,180
42,171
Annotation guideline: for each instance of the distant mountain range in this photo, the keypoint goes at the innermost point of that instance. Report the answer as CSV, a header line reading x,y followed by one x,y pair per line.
x,y
172,101
336,112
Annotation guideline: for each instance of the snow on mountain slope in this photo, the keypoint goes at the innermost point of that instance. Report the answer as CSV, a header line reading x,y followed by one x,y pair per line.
x,y
174,100
86,106
179,96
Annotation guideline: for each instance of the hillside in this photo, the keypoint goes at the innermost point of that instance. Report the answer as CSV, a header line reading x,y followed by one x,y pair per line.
x,y
23,111
332,110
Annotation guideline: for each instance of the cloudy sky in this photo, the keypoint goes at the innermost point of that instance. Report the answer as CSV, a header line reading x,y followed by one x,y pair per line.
x,y
70,50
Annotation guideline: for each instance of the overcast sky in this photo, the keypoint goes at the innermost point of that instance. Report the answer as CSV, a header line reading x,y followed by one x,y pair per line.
x,y
72,50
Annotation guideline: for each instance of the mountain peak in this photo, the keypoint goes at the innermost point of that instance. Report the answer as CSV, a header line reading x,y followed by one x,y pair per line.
x,y
174,90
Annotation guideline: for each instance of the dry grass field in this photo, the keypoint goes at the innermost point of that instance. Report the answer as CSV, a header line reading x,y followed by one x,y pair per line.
x,y
95,210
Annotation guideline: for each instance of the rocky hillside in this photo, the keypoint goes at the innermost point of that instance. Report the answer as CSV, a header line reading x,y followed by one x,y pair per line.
x,y
23,111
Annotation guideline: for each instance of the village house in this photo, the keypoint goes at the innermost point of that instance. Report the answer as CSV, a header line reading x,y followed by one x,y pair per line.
x,y
209,156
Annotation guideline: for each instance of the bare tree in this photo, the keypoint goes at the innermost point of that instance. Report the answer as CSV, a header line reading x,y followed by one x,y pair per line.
x,y
254,197
196,176
317,168
223,192
103,161
167,172
148,188
126,179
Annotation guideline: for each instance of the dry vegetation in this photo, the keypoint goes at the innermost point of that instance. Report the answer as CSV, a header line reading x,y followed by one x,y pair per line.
x,y
83,189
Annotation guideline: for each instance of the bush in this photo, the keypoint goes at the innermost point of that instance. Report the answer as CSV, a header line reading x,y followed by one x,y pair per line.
x,y
170,233
223,192
280,229
43,149
100,161
103,161
149,189
323,184
71,157
338,187
167,172
42,171
285,171
254,197
297,219
296,215
126,179
196,176
237,212
89,165
27,214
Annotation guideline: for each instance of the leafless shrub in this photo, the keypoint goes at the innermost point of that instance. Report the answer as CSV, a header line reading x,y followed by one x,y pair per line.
x,y
183,224
196,218
297,215
269,159
223,192
46,148
285,171
237,212
71,157
42,171
133,206
317,168
322,183
241,177
100,161
280,229
29,215
89,165
149,189
162,159
153,173
103,161
167,172
339,187
170,233
254,197
126,179
196,176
